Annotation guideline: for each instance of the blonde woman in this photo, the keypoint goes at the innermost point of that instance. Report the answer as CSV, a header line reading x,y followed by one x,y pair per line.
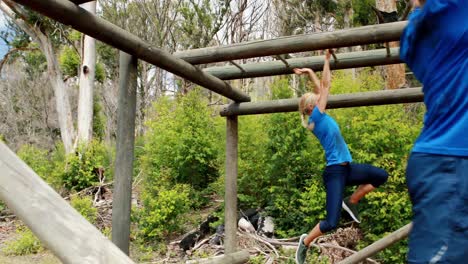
x,y
340,171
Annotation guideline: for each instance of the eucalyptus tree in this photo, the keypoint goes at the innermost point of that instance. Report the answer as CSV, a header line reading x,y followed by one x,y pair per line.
x,y
48,35
86,84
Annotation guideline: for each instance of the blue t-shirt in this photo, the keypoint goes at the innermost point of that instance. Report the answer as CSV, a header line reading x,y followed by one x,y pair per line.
x,y
435,47
328,133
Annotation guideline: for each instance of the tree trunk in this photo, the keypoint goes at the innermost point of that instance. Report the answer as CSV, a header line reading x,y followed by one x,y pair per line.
x,y
64,112
87,74
394,74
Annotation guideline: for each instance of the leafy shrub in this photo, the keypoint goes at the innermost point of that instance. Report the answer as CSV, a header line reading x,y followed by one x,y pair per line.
x,y
183,140
37,159
84,205
25,243
82,167
69,61
160,214
49,166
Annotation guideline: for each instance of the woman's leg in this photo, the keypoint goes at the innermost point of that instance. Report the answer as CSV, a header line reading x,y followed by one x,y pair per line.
x,y
334,179
367,177
313,234
360,192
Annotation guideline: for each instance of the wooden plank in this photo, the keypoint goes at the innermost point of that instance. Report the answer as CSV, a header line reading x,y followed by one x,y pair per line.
x,y
60,227
345,61
298,43
68,13
230,200
122,196
378,246
398,96
233,258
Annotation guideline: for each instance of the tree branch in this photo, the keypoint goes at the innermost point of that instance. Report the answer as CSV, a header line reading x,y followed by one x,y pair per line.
x,y
12,51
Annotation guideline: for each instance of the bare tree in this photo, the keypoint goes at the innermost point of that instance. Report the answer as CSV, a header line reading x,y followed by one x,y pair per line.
x,y
27,115
20,17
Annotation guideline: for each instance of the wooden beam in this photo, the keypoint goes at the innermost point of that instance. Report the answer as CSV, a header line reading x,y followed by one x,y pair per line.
x,y
233,258
60,227
398,96
122,196
68,13
377,246
230,200
345,61
298,43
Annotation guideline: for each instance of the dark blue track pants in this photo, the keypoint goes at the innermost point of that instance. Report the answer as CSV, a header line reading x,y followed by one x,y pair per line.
x,y
438,187
336,177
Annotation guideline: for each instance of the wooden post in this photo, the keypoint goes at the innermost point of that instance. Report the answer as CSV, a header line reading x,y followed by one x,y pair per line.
x,y
377,246
60,227
230,201
408,95
122,199
68,13
297,43
270,68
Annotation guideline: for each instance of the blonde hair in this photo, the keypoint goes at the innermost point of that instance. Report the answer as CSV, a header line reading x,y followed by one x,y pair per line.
x,y
306,99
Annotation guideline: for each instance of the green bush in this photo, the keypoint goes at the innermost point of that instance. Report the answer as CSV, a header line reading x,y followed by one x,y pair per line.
x,y
161,211
37,159
25,243
48,165
82,166
183,140
84,205
69,61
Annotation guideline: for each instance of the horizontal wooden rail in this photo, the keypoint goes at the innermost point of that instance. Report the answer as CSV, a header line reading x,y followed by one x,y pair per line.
x,y
69,13
344,61
377,246
408,95
232,258
60,227
297,43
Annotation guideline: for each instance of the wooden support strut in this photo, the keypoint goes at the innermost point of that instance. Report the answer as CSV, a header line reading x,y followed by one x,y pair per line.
x,y
298,43
237,66
68,13
283,60
398,96
377,246
59,226
342,61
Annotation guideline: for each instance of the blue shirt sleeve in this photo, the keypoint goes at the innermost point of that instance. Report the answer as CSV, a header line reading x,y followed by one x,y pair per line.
x,y
426,18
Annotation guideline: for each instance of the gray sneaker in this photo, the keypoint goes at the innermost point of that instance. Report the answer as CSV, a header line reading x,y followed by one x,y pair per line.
x,y
301,252
352,209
